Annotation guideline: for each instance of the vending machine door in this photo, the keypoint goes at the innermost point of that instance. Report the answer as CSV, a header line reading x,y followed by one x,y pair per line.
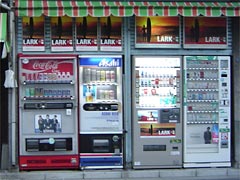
x,y
207,111
157,122
48,112
101,124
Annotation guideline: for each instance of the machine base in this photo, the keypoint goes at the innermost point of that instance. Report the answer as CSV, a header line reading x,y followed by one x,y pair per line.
x,y
210,164
49,162
101,162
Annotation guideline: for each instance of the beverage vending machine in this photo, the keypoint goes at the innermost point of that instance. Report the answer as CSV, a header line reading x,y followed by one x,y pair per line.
x,y
101,124
207,111
48,112
157,122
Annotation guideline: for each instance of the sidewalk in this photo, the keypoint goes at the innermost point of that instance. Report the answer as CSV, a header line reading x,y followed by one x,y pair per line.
x,y
115,174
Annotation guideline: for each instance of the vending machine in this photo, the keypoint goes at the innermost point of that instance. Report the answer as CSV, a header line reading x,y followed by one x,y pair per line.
x,y
207,111
157,114
48,112
101,124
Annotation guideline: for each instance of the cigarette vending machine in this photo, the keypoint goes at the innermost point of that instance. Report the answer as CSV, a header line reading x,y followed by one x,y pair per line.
x,y
157,122
101,126
207,111
48,112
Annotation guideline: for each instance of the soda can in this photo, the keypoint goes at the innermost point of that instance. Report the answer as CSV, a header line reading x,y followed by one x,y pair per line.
x,y
94,75
32,92
108,76
98,75
101,94
111,95
87,75
103,75
113,76
106,94
60,93
27,92
45,76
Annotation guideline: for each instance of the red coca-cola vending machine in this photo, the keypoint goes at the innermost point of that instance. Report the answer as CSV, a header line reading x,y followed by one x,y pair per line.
x,y
48,112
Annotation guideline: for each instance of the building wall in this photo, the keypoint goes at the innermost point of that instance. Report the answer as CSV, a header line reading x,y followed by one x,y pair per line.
x,y
236,94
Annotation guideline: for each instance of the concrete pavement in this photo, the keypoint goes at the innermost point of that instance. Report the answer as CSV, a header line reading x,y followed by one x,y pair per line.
x,y
118,174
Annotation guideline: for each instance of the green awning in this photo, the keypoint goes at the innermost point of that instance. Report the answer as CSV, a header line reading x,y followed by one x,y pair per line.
x,y
80,8
3,25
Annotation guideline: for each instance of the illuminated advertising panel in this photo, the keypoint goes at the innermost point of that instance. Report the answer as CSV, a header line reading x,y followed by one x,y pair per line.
x,y
155,32
205,32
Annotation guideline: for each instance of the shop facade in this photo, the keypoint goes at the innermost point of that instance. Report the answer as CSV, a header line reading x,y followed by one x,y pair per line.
x,y
4,92
142,52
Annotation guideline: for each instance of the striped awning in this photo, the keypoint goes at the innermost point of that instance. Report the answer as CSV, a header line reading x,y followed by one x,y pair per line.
x,y
80,8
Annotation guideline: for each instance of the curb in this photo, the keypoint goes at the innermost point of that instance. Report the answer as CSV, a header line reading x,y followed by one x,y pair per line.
x,y
121,174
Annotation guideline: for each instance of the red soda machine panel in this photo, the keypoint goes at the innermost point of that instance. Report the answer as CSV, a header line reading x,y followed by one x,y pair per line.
x,y
47,112
100,101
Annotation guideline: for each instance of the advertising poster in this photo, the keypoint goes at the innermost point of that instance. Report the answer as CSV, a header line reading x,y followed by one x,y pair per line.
x,y
205,32
86,31
48,123
158,130
155,32
61,34
46,70
203,134
33,33
89,94
111,34
147,116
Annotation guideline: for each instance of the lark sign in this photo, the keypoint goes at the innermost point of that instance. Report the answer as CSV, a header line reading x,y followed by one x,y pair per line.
x,y
155,32
33,34
205,32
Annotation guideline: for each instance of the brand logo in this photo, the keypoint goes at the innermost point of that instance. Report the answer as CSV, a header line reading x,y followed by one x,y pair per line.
x,y
109,63
49,65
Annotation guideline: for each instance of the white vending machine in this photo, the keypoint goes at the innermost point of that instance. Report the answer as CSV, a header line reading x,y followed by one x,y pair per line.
x,y
101,124
157,122
207,115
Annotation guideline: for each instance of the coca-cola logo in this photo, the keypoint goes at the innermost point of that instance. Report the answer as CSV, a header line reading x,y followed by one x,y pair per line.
x,y
49,65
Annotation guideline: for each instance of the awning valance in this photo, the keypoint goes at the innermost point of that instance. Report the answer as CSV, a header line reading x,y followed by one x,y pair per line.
x,y
80,8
